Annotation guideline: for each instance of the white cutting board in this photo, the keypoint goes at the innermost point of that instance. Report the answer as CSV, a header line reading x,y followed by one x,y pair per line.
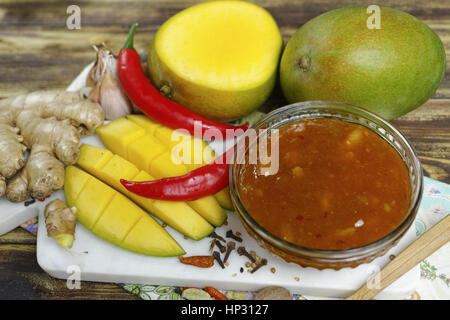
x,y
98,260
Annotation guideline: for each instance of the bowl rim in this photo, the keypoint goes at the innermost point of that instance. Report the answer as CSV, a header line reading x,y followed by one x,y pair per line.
x,y
321,254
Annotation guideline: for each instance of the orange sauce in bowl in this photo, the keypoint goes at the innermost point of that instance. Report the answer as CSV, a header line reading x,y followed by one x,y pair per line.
x,y
338,186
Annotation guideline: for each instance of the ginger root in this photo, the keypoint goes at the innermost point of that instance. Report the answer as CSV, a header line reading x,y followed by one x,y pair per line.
x,y
60,222
49,123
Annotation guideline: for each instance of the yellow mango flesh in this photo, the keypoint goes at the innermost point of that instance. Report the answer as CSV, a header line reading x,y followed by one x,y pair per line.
x,y
198,151
167,137
94,158
115,169
118,134
181,216
144,122
92,201
152,149
137,240
220,57
74,185
224,199
117,219
161,166
178,215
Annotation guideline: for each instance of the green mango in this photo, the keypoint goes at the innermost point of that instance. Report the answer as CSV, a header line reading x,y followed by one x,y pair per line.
x,y
342,56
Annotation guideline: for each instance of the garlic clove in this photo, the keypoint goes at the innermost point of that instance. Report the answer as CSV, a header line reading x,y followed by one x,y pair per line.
x,y
94,94
90,83
103,86
113,99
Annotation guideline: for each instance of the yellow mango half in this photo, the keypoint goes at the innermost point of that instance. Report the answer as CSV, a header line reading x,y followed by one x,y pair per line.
x,y
219,57
159,166
115,218
178,215
167,137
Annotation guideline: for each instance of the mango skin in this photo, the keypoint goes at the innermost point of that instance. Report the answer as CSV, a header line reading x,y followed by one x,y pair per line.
x,y
389,71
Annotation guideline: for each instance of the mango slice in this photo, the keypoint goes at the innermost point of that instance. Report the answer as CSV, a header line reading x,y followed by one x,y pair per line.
x,y
159,167
201,153
115,218
92,200
118,134
137,240
178,215
74,185
163,167
167,137
224,199
143,159
145,122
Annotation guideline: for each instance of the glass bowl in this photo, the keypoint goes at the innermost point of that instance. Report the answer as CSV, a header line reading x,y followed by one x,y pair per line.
x,y
322,259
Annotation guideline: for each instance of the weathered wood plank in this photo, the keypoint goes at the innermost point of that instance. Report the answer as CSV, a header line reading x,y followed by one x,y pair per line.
x,y
35,33
22,278
18,236
428,130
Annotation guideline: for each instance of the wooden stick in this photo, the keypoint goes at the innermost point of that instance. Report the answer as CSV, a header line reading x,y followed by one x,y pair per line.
x,y
417,251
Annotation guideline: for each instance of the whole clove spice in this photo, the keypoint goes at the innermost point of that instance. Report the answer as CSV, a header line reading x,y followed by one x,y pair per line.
x,y
216,256
243,252
216,236
231,235
230,247
221,247
29,202
213,244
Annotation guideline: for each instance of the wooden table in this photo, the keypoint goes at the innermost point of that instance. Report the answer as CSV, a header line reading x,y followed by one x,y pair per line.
x,y
37,51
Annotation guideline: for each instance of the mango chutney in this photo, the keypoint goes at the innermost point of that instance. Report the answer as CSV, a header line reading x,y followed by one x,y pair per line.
x,y
338,186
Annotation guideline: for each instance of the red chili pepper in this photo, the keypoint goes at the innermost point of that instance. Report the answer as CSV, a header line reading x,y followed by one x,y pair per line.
x,y
154,104
198,261
216,294
201,182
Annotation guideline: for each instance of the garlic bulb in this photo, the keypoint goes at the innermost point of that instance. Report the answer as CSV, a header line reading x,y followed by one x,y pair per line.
x,y
103,86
